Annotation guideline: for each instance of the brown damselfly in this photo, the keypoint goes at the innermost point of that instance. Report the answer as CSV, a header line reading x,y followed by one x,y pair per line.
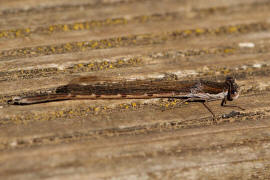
x,y
91,87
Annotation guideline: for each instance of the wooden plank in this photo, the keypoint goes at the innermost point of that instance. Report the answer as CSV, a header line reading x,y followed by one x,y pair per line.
x,y
45,44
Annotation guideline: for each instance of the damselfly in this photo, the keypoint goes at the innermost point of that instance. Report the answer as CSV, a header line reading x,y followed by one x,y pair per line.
x,y
91,87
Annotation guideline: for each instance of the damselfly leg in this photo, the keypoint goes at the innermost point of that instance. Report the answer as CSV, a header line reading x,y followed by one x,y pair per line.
x,y
208,108
204,102
223,104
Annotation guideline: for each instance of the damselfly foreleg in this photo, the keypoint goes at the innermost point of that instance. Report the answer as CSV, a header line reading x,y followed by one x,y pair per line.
x,y
223,104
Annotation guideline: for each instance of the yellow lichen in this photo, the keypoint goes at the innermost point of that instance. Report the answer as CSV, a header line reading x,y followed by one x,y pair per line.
x,y
173,103
133,104
27,30
51,28
95,44
18,33
200,31
120,61
53,49
65,27
80,65
76,27
61,113
87,25
80,44
228,50
188,32
68,46
233,29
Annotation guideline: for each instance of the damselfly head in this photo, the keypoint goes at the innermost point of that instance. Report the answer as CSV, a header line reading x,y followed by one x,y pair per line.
x,y
233,88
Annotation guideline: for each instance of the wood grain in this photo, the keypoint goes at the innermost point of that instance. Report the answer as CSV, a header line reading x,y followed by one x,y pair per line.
x,y
46,44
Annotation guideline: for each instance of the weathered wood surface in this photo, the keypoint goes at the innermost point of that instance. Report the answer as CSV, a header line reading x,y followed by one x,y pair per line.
x,y
44,44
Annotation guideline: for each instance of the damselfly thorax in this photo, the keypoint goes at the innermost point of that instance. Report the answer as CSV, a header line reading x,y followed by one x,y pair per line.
x,y
104,88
